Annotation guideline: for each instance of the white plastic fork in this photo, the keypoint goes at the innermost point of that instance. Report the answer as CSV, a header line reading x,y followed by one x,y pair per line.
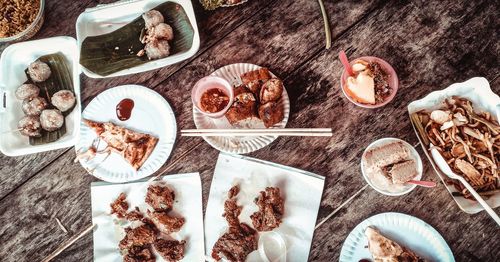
x,y
445,168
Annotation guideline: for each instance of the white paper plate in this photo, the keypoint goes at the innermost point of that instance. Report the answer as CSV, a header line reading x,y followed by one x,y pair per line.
x,y
478,91
188,204
301,190
238,145
414,155
151,114
406,230
15,59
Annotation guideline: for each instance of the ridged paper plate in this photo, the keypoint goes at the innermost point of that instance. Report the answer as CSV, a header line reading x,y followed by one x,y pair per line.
x,y
406,230
151,115
238,145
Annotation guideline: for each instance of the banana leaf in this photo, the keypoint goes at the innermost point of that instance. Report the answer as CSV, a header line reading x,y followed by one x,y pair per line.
x,y
109,53
60,79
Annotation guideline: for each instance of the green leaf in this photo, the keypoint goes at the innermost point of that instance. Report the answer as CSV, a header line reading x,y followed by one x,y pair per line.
x,y
109,53
60,79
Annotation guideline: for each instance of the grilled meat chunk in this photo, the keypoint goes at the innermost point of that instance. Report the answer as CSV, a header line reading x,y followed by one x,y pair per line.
x,y
160,197
165,223
271,113
271,209
170,250
120,206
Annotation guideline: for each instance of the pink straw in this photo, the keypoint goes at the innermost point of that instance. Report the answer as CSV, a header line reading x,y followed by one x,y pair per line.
x,y
422,183
345,62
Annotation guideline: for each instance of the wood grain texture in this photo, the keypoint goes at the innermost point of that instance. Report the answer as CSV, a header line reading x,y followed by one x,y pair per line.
x,y
60,21
430,44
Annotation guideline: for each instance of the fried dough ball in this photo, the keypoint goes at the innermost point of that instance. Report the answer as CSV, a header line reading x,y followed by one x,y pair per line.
x,y
51,119
157,49
163,31
30,126
27,91
63,100
39,71
271,90
34,106
152,18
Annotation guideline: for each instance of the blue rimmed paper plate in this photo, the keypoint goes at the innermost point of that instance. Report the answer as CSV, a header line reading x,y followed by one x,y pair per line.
x,y
406,230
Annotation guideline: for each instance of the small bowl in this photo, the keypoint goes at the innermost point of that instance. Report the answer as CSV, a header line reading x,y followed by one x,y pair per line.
x,y
393,81
413,152
205,84
31,30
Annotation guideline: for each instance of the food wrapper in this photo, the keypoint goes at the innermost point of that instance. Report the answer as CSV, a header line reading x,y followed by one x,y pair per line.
x,y
478,91
301,191
110,230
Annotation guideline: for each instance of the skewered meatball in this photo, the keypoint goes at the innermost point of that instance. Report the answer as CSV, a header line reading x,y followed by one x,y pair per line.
x,y
30,126
157,49
27,91
39,71
271,90
152,18
51,119
162,31
63,100
34,106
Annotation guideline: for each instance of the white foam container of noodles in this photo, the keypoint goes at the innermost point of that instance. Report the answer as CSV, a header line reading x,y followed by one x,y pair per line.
x,y
107,18
15,59
478,91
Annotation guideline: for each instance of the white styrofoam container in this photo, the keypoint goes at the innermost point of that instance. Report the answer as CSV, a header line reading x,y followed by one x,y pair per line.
x,y
15,59
104,19
478,91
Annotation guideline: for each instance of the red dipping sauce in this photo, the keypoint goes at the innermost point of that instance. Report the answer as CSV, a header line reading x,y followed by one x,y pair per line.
x,y
124,109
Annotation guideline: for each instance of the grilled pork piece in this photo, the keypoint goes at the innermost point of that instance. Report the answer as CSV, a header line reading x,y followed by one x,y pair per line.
x,y
170,250
139,236
134,215
271,90
254,79
384,249
244,106
160,197
271,113
139,254
241,239
271,209
164,222
120,206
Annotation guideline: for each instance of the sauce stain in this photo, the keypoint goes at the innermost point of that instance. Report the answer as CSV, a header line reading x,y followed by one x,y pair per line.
x,y
124,109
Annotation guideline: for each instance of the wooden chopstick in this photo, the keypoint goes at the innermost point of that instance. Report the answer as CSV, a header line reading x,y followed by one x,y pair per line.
x,y
259,132
248,130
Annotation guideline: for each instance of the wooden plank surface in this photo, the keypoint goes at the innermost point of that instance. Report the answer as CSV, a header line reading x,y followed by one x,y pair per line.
x,y
431,45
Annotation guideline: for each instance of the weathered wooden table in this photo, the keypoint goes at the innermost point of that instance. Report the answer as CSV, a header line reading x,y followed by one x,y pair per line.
x,y
431,44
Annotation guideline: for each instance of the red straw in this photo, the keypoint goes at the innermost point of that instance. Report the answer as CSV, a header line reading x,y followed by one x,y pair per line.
x,y
345,62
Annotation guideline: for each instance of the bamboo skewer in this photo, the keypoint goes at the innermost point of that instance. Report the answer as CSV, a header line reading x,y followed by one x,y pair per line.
x,y
68,243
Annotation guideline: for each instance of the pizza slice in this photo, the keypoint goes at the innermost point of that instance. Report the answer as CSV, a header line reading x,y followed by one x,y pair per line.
x,y
135,147
384,249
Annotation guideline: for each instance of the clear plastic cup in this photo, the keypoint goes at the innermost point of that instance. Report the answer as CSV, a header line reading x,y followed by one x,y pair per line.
x,y
393,81
206,84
